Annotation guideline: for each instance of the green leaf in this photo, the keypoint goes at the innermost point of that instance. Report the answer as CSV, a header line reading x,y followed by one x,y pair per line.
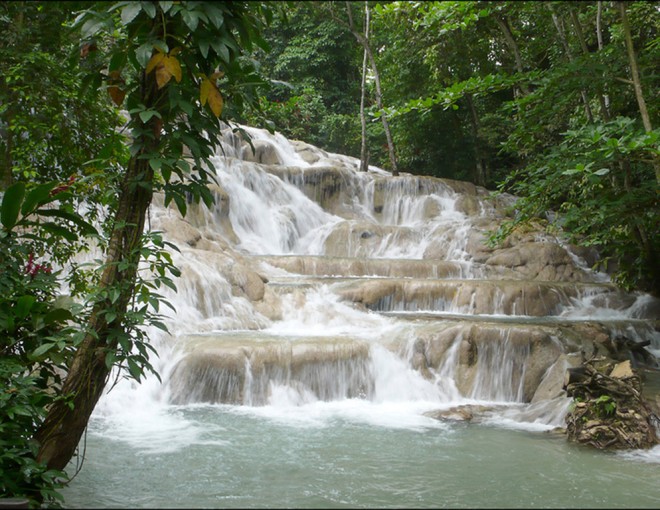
x,y
134,369
37,196
143,53
59,231
11,204
191,19
155,163
181,204
214,14
41,350
92,27
86,228
186,107
147,114
58,315
130,12
149,8
110,358
24,305
204,47
114,295
221,49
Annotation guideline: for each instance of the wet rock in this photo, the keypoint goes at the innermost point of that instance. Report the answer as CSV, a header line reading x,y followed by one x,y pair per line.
x,y
552,383
462,413
262,152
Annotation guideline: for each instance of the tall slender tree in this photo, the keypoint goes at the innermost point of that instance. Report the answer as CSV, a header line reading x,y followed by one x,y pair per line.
x,y
168,70
364,41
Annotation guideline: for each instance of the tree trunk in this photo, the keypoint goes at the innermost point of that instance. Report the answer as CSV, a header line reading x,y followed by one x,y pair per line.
x,y
634,71
88,373
585,51
559,25
61,431
6,145
508,35
480,165
379,96
604,98
637,83
364,155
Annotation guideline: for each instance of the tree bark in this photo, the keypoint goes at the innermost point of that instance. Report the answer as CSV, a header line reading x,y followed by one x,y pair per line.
x,y
88,373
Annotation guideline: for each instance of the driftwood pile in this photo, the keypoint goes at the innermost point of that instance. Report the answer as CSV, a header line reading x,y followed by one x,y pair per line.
x,y
609,411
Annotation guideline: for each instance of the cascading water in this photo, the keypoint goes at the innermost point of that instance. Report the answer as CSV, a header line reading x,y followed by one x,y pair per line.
x,y
325,316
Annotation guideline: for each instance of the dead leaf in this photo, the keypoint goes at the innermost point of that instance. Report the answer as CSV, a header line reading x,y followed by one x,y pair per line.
x,y
208,92
154,61
173,67
116,94
162,76
215,101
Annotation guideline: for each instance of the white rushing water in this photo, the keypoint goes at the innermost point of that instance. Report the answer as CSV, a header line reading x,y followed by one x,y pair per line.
x,y
331,410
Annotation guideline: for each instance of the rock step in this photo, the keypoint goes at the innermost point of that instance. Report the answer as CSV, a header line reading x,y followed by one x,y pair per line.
x,y
482,360
351,266
482,297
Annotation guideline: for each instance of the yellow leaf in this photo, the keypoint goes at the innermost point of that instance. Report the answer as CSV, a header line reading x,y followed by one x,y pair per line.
x,y
154,61
204,90
216,75
173,67
215,101
162,76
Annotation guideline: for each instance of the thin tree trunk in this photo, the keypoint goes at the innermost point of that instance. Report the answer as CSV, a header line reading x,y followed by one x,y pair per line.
x,y
364,154
6,165
585,51
379,96
605,99
480,166
508,35
634,70
88,374
637,84
559,25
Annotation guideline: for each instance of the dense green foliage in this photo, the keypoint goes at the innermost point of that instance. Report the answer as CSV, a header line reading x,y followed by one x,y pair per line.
x,y
531,98
37,340
177,70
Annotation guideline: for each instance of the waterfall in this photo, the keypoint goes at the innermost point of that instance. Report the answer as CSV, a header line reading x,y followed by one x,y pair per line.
x,y
310,283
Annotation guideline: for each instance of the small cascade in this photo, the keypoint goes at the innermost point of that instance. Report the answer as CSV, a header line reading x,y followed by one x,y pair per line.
x,y
500,370
310,282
